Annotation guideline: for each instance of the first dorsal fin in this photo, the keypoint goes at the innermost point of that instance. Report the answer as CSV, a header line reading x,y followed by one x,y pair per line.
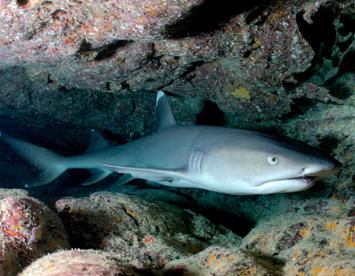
x,y
164,115
97,142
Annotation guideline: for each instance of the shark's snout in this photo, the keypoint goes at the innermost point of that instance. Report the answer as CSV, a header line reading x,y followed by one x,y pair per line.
x,y
334,168
322,168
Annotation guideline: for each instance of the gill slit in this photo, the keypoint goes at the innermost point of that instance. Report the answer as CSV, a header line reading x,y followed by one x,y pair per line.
x,y
196,160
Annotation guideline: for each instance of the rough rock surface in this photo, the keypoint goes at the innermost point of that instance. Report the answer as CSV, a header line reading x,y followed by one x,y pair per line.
x,y
12,192
78,263
239,59
223,261
307,244
143,233
281,66
28,230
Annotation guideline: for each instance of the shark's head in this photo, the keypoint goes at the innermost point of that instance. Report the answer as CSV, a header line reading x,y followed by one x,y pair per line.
x,y
288,166
263,164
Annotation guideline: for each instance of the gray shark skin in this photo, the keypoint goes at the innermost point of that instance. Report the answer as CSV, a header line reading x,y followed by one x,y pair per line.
x,y
225,160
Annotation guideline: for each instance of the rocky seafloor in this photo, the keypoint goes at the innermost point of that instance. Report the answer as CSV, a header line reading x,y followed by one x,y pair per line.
x,y
66,67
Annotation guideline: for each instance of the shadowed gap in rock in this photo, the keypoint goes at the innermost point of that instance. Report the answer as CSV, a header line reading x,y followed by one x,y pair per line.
x,y
22,2
320,32
322,37
86,50
240,226
210,115
209,16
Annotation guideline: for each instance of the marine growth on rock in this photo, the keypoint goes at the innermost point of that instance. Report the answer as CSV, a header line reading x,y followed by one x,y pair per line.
x,y
279,67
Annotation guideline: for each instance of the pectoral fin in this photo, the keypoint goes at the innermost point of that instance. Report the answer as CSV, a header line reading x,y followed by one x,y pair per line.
x,y
147,173
96,176
124,179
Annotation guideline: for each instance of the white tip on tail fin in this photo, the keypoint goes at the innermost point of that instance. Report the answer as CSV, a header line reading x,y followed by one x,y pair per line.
x,y
49,163
164,115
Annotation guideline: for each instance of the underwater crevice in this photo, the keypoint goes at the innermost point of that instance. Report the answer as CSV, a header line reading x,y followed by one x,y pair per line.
x,y
210,16
257,15
331,38
328,144
272,264
152,58
21,3
125,86
326,37
187,75
210,114
81,222
298,107
319,34
89,53
192,67
240,226
109,50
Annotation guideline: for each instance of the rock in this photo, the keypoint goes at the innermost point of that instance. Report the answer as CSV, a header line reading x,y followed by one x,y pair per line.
x,y
238,59
280,66
28,230
308,245
223,261
12,193
252,60
78,262
146,234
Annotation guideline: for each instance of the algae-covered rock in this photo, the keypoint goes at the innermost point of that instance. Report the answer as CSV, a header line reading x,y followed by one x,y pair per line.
x,y
223,261
123,46
12,192
285,67
148,234
28,230
309,244
243,57
79,263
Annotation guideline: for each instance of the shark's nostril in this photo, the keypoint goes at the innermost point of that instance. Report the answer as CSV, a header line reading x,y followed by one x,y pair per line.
x,y
337,165
337,169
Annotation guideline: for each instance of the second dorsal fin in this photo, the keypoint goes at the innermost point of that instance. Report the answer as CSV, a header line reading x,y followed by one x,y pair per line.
x,y
164,115
97,142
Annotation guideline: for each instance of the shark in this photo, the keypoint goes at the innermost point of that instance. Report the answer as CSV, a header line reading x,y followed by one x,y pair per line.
x,y
219,159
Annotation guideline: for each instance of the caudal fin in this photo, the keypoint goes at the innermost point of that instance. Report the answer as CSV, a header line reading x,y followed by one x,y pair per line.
x,y
49,163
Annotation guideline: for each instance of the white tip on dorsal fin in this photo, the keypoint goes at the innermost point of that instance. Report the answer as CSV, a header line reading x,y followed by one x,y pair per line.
x,y
97,142
164,115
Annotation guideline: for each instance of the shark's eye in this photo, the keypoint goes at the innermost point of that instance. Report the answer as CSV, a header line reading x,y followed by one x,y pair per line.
x,y
273,160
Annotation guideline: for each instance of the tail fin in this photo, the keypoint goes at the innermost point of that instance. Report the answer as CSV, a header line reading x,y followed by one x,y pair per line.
x,y
51,164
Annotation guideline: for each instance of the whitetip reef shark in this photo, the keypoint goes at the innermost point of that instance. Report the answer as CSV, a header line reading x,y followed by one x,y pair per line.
x,y
219,159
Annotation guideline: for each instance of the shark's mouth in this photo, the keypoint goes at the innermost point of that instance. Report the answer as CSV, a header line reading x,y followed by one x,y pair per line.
x,y
287,185
301,179
307,180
